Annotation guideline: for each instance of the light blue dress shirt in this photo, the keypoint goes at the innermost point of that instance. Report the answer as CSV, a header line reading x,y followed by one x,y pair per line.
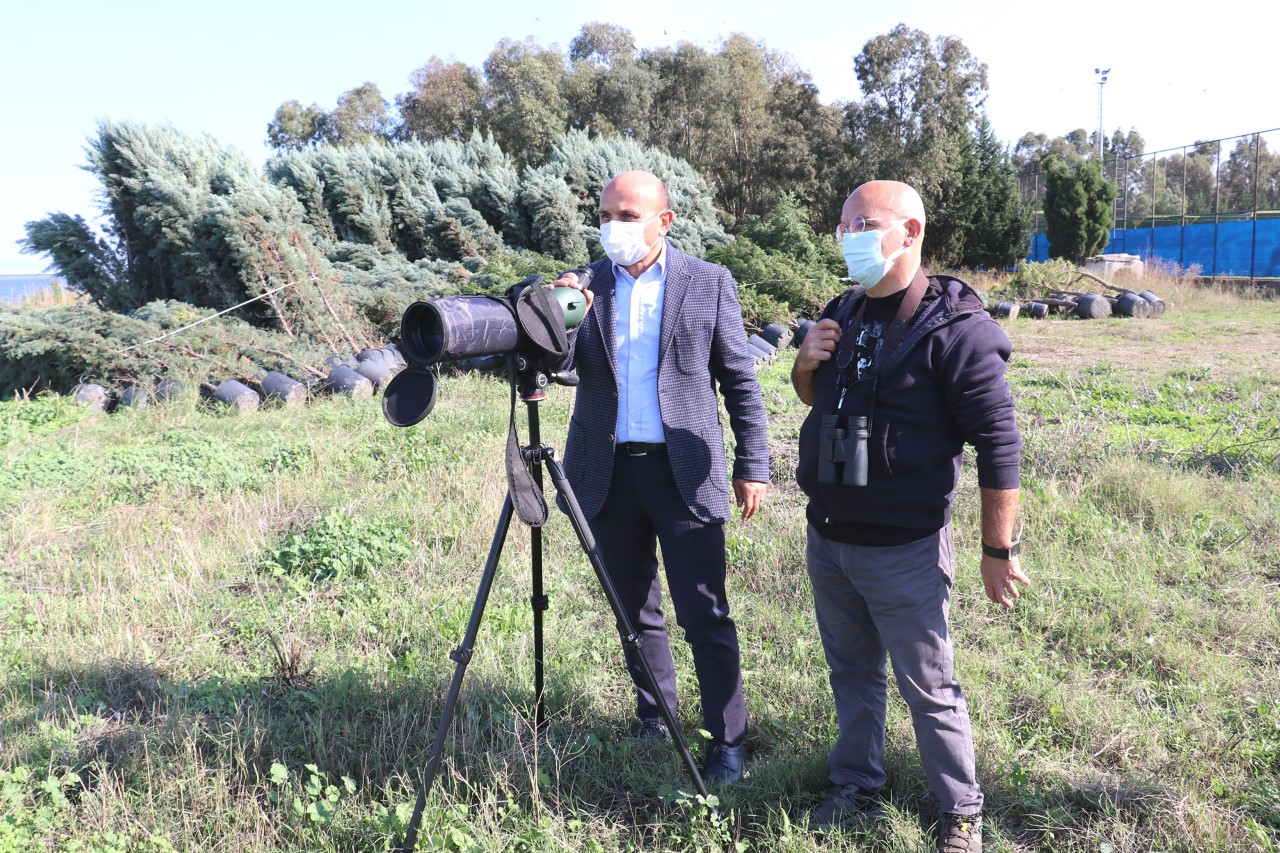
x,y
639,322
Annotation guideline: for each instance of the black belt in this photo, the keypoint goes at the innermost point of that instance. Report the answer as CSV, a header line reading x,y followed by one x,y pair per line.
x,y
641,448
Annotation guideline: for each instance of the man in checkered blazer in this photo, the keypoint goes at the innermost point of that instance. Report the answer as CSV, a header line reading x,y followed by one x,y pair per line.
x,y
645,452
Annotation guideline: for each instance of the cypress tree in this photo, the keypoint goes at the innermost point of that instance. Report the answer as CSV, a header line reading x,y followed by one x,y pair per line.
x,y
1064,210
1099,207
497,182
1077,209
953,205
1001,229
553,217
584,164
336,240
299,174
87,263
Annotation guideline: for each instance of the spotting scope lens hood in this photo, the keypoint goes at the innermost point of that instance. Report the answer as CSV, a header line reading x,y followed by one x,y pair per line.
x,y
458,327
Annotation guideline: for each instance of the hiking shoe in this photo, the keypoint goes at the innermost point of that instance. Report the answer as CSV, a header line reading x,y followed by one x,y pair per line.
x,y
847,806
648,733
725,763
960,833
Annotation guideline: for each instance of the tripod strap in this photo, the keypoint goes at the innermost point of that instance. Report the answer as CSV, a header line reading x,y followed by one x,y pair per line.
x,y
526,496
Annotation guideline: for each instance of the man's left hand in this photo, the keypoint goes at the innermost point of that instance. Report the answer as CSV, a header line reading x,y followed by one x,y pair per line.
x,y
999,577
570,279
749,495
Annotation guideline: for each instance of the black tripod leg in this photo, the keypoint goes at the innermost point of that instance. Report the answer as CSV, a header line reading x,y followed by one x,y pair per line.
x,y
461,656
539,598
540,602
632,639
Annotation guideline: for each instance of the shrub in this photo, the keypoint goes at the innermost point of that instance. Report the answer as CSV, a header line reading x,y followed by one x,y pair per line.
x,y
339,545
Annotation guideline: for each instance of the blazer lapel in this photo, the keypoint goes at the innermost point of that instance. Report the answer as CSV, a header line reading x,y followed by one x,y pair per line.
x,y
604,310
677,285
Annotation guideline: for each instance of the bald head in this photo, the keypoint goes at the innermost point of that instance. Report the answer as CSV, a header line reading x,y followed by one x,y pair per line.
x,y
639,184
889,199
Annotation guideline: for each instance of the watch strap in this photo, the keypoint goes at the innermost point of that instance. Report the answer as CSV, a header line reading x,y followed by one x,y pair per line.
x,y
1014,549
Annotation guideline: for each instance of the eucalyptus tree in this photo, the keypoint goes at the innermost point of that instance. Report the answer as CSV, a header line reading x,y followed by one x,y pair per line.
x,y
804,152
1033,149
447,101
689,116
1187,183
745,80
361,116
919,99
528,107
295,127
609,90
1250,176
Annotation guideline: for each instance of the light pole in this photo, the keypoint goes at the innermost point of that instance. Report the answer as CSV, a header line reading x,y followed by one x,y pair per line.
x,y
1102,81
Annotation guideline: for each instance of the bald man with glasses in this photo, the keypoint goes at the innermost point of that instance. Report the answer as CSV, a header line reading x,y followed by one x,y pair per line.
x,y
901,372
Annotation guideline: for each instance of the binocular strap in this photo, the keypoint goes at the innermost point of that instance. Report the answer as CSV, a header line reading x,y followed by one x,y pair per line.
x,y
845,354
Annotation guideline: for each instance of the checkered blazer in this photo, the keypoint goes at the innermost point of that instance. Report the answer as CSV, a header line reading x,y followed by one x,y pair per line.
x,y
701,343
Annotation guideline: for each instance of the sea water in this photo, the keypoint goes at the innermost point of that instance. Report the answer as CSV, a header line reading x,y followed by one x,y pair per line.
x,y
15,287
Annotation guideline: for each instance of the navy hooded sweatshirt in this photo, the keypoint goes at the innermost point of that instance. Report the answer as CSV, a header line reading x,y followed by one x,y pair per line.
x,y
943,386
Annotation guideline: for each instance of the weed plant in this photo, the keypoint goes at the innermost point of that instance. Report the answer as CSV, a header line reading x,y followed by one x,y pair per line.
x,y
230,633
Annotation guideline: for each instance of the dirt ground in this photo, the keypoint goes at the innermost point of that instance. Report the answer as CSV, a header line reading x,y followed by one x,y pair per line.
x,y
1230,346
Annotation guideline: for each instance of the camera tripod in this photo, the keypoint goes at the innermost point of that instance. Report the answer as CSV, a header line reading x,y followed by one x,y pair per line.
x,y
529,379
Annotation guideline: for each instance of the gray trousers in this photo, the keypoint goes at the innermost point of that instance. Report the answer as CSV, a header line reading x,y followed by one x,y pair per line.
x,y
893,600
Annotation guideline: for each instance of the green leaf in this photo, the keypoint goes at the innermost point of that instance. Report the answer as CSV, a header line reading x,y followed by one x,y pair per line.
x,y
320,811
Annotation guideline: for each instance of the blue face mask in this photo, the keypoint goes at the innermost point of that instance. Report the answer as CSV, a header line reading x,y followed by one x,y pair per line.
x,y
867,266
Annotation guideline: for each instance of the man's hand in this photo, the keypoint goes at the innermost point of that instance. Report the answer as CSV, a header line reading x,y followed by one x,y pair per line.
x,y
570,279
749,495
999,576
819,343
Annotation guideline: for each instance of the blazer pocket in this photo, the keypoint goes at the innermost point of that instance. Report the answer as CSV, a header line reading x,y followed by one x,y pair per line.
x,y
691,359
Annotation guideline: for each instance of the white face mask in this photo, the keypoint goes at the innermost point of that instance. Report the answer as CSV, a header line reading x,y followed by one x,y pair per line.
x,y
624,242
862,255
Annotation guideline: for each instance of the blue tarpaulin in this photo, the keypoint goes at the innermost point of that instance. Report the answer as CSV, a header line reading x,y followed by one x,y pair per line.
x,y
1245,249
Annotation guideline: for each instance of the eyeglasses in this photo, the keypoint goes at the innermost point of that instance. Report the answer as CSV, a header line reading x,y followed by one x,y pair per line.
x,y
859,224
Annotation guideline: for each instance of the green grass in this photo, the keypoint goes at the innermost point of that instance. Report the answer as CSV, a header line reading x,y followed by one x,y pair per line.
x,y
226,632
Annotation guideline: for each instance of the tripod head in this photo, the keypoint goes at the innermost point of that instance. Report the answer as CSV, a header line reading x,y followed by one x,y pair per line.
x,y
532,377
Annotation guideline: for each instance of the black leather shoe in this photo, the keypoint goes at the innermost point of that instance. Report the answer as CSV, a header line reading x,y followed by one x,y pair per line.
x,y
725,763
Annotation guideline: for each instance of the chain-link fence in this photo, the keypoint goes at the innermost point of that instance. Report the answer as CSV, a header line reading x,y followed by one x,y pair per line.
x,y
1211,208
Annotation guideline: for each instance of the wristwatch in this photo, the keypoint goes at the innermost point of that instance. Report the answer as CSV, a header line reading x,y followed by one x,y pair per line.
x,y
1014,549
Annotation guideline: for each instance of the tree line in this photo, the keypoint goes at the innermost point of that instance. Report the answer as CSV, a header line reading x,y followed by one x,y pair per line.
x,y
480,177
748,118
1205,178
321,252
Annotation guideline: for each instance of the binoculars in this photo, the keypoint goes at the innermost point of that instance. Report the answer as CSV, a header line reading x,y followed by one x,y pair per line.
x,y
842,454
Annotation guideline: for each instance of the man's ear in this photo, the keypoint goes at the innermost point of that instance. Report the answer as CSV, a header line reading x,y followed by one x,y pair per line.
x,y
914,229
666,218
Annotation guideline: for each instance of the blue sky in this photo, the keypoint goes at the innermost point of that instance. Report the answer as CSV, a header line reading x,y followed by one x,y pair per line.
x,y
222,69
